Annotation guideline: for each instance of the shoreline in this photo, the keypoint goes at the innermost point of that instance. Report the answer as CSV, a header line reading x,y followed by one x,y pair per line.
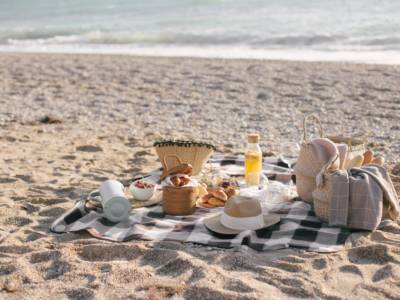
x,y
282,55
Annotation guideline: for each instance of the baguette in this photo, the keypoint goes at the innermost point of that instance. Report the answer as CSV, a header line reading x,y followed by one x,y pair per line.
x,y
181,169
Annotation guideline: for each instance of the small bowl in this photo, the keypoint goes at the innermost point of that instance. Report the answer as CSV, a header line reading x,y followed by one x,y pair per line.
x,y
142,194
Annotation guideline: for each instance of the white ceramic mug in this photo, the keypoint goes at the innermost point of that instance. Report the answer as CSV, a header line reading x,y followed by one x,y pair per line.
x,y
116,206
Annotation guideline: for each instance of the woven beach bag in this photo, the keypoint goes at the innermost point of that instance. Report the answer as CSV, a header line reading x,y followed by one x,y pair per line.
x,y
307,167
356,146
194,153
322,198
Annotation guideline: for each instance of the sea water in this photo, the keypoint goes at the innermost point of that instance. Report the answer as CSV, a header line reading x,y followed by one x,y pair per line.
x,y
339,30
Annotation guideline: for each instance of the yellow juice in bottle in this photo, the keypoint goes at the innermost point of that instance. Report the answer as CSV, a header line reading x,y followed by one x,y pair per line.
x,y
253,161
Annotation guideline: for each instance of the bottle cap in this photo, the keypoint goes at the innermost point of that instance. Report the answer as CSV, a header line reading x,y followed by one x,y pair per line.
x,y
253,138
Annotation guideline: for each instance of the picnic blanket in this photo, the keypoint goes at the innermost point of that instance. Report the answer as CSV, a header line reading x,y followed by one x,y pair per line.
x,y
298,228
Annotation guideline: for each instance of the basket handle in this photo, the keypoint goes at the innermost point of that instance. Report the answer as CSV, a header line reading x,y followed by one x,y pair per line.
x,y
308,117
171,155
319,179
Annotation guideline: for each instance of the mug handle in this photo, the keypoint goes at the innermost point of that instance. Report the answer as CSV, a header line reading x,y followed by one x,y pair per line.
x,y
95,197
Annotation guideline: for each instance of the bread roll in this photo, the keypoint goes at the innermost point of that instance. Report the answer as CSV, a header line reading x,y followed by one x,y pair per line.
x,y
368,157
202,190
355,162
231,191
378,160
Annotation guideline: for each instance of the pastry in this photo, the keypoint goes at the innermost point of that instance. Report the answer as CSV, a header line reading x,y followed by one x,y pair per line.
x,y
207,205
219,194
202,190
184,180
216,202
378,160
231,191
175,180
368,157
355,162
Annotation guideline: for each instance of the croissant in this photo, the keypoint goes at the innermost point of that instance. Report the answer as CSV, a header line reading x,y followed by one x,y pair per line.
x,y
216,202
219,193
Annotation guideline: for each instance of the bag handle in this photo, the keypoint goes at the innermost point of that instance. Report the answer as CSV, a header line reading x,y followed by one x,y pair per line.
x,y
319,179
171,155
318,121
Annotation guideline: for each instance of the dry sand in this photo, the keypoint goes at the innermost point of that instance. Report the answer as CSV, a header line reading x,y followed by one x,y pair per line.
x,y
111,108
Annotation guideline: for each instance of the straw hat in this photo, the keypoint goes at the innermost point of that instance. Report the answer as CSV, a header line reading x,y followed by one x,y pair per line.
x,y
240,214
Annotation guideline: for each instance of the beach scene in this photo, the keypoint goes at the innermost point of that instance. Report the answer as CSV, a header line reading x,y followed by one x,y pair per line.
x,y
199,149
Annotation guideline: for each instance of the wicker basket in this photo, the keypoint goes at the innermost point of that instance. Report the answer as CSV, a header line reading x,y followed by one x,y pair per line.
x,y
307,167
305,185
322,200
355,147
396,183
178,200
192,153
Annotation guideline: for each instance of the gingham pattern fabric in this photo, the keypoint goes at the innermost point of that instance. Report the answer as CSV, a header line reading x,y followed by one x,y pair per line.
x,y
299,227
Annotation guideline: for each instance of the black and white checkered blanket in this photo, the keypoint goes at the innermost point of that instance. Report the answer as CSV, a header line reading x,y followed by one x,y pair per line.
x,y
299,227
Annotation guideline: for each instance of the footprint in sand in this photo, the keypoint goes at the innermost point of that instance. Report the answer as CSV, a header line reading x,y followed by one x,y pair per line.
x,y
291,286
371,254
7,180
353,269
26,178
157,257
44,256
80,293
320,263
89,148
143,153
7,269
350,276
98,252
18,221
196,292
238,286
175,267
15,249
56,269
385,272
68,157
33,236
52,212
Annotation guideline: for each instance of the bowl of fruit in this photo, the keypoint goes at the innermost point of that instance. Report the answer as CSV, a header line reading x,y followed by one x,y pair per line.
x,y
142,190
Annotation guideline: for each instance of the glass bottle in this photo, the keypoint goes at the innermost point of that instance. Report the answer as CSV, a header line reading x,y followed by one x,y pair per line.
x,y
253,160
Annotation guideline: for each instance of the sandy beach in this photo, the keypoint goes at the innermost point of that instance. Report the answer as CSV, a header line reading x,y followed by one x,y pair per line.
x,y
104,113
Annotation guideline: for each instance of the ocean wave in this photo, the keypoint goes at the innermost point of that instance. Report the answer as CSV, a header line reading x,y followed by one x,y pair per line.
x,y
228,38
